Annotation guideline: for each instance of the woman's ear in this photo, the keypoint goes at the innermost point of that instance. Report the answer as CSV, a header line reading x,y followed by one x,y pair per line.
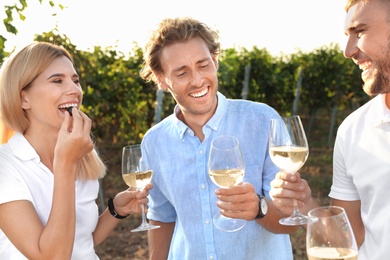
x,y
24,100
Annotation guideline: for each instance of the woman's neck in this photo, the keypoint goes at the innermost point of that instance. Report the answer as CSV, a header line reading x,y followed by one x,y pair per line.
x,y
44,145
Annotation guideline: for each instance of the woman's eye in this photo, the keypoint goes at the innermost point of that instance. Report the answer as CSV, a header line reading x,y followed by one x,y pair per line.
x,y
57,81
77,81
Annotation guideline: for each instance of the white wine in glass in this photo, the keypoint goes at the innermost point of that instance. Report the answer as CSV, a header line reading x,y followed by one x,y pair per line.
x,y
288,149
136,176
329,235
226,169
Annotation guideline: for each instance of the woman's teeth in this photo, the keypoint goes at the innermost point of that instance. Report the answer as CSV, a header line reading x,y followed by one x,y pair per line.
x,y
68,107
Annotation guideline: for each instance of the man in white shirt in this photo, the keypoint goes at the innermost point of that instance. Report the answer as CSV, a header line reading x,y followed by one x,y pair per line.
x,y
361,161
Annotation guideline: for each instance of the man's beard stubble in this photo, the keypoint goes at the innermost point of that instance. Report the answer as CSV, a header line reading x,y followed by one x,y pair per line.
x,y
381,81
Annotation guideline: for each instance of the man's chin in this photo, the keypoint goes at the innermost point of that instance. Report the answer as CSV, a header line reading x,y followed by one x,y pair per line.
x,y
367,87
377,84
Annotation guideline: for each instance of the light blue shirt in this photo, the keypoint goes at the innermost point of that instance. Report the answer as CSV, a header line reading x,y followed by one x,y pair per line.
x,y
183,192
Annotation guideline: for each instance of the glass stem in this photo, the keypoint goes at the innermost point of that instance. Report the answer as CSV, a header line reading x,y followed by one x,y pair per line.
x,y
143,214
296,209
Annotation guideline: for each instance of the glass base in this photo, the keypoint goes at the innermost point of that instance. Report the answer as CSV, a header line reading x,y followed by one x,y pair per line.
x,y
144,227
228,224
295,219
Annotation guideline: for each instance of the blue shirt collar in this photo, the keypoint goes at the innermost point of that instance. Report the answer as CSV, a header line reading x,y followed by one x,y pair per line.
x,y
213,123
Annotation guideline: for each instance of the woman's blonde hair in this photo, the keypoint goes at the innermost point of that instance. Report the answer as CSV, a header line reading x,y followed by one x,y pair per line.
x,y
18,72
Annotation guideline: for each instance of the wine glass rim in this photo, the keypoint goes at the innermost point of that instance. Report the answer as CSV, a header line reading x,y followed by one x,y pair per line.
x,y
131,145
340,211
235,144
230,136
285,117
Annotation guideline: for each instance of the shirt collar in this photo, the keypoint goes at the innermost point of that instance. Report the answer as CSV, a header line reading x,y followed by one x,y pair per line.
x,y
214,121
379,113
21,148
180,126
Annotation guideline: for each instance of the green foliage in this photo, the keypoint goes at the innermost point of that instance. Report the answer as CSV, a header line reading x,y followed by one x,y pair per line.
x,y
122,105
329,78
16,10
9,11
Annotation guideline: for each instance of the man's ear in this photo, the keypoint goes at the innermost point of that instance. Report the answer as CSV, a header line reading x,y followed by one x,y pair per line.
x,y
161,82
216,63
24,100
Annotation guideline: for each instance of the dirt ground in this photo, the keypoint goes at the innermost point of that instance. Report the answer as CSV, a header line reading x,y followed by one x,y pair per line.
x,y
124,244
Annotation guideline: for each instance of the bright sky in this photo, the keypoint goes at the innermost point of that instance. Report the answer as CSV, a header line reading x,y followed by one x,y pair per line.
x,y
277,25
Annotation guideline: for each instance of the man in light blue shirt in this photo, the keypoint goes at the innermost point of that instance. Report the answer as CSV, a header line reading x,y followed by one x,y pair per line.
x,y
181,58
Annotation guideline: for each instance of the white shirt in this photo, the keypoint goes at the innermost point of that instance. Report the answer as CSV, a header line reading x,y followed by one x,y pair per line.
x,y
24,177
361,171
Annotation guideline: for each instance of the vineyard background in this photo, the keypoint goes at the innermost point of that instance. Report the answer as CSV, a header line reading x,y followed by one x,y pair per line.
x,y
321,86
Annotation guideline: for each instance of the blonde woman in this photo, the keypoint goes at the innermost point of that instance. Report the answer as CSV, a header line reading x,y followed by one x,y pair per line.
x,y
49,169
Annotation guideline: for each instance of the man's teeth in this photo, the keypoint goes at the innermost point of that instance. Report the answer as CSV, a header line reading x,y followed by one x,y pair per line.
x,y
364,66
200,94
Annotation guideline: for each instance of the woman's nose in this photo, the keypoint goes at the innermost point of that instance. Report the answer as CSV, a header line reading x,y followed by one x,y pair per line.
x,y
74,89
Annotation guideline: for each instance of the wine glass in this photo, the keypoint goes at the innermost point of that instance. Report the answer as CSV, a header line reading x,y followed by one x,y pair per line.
x,y
329,235
289,150
136,176
226,169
